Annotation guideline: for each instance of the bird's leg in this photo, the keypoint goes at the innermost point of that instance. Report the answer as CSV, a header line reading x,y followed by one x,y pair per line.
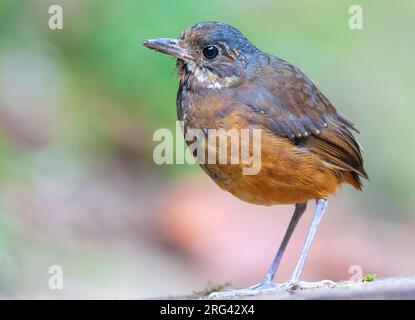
x,y
298,212
266,284
321,206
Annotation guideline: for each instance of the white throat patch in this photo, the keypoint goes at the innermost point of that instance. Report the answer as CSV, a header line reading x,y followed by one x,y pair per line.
x,y
206,77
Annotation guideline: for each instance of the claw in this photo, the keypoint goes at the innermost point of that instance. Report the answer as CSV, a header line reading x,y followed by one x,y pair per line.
x,y
257,289
269,287
303,285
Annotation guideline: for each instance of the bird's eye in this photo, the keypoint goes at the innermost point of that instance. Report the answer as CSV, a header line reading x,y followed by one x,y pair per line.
x,y
210,52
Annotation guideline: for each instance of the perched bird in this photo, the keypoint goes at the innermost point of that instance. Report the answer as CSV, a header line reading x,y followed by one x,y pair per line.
x,y
307,147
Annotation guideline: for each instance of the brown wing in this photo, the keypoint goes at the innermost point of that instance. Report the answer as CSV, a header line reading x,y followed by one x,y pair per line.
x,y
287,103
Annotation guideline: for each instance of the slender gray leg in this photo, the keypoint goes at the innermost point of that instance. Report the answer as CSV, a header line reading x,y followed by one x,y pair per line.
x,y
266,285
298,212
321,206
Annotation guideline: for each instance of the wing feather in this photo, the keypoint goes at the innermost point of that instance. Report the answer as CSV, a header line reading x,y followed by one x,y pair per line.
x,y
293,107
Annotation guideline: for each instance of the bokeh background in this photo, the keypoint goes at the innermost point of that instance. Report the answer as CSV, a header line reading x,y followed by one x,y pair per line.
x,y
78,186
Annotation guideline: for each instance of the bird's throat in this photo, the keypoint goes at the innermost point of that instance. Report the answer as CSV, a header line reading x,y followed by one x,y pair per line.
x,y
201,77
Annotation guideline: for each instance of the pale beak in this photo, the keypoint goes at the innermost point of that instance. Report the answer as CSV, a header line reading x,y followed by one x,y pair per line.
x,y
173,47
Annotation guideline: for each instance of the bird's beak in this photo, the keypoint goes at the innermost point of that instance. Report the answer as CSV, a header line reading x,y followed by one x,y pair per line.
x,y
173,47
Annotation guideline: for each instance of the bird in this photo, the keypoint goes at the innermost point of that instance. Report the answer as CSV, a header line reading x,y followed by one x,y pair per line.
x,y
308,148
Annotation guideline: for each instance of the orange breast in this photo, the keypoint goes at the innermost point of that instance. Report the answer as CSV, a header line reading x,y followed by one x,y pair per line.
x,y
288,175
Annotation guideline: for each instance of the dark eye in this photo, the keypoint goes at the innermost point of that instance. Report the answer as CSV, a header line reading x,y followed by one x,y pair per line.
x,y
210,52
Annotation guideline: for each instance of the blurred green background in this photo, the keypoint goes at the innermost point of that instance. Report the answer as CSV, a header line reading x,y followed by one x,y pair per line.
x,y
78,108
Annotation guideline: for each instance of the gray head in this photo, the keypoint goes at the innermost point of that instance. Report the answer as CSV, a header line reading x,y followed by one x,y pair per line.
x,y
211,51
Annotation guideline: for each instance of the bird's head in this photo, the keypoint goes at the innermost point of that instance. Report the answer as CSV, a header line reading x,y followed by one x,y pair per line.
x,y
215,54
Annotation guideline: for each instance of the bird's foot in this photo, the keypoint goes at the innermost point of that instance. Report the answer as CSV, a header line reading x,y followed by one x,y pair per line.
x,y
262,287
271,287
304,285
